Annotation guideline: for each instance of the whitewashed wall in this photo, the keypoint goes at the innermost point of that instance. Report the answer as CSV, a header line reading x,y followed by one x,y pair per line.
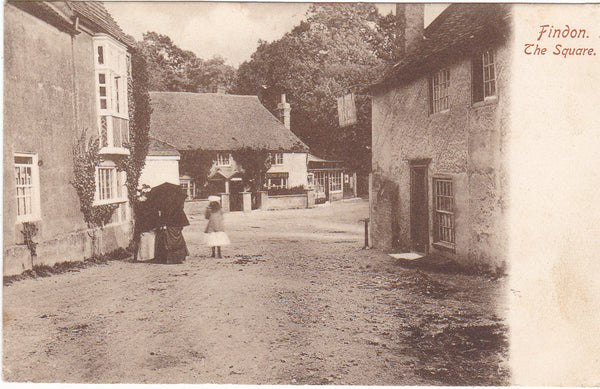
x,y
296,165
160,169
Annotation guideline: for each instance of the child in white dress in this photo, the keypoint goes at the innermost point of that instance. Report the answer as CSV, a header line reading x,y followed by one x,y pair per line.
x,y
215,235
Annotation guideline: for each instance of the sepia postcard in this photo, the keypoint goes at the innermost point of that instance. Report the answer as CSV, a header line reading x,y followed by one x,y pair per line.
x,y
297,193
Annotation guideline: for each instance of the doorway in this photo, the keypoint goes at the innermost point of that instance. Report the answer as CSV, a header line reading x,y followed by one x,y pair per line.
x,y
419,209
236,187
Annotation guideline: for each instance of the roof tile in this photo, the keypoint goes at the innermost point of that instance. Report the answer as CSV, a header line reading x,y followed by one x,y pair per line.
x,y
95,12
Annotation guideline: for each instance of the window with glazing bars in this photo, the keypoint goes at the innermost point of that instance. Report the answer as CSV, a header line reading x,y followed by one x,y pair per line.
x,y
223,159
105,183
102,90
277,158
335,181
444,211
483,75
440,83
24,175
489,74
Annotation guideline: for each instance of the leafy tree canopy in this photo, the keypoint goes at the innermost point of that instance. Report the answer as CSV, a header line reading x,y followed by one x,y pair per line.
x,y
171,68
340,48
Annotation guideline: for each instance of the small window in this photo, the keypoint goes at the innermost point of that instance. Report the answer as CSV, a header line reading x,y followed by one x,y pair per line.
x,y
27,186
483,76
106,183
277,158
444,211
101,55
489,75
223,159
440,83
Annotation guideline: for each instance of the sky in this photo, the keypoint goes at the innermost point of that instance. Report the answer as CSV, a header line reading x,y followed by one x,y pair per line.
x,y
230,30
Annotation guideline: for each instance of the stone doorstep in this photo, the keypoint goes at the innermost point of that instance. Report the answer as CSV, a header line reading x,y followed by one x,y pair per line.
x,y
407,256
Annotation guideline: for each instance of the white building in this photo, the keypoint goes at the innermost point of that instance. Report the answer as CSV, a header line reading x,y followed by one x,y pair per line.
x,y
162,164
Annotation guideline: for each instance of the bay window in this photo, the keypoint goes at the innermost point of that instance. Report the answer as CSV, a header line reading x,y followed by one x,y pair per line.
x,y
111,189
111,79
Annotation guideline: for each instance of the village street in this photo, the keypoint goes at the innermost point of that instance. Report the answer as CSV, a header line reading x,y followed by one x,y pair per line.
x,y
295,300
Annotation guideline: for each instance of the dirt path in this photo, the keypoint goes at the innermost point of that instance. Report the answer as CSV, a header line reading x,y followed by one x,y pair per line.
x,y
294,301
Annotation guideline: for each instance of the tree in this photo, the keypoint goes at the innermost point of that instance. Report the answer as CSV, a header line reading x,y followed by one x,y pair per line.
x,y
337,50
255,163
171,68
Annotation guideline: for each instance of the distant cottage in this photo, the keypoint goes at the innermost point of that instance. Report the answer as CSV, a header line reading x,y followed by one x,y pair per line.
x,y
440,119
225,123
66,69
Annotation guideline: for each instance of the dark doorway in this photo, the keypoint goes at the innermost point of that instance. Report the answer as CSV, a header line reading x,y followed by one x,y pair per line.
x,y
419,210
236,202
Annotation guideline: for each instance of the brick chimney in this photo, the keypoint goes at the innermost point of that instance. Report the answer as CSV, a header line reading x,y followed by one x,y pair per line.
x,y
410,26
284,112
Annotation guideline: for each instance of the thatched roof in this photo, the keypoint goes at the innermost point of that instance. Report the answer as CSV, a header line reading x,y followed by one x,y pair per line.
x,y
212,121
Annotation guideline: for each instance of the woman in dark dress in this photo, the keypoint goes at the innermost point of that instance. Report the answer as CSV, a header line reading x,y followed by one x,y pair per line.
x,y
170,246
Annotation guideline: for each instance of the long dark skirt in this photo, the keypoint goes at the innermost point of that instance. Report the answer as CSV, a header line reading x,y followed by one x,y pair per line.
x,y
170,247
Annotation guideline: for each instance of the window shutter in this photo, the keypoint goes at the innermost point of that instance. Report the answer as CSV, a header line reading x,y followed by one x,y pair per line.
x,y
477,78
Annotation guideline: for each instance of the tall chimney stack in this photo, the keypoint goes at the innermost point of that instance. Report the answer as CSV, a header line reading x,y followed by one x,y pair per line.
x,y
284,112
410,26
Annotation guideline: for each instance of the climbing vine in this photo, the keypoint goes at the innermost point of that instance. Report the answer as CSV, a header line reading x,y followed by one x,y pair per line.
x,y
139,125
85,161
29,231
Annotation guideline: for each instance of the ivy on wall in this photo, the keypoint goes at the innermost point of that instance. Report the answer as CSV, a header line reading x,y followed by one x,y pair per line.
x,y
85,161
139,125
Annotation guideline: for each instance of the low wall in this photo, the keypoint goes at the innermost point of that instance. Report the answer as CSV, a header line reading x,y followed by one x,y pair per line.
x,y
195,207
336,196
278,202
286,202
75,246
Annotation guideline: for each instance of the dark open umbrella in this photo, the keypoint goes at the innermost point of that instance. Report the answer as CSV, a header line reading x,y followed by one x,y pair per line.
x,y
169,199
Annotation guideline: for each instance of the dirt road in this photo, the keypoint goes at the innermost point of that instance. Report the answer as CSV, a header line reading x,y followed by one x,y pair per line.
x,y
294,301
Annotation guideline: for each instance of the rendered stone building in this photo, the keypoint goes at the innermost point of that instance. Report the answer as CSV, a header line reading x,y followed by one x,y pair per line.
x,y
440,121
65,71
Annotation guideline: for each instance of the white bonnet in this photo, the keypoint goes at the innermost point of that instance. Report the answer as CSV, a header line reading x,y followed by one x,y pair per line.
x,y
214,198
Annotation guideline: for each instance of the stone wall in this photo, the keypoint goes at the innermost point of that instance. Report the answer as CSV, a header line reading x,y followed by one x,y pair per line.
x,y
74,246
